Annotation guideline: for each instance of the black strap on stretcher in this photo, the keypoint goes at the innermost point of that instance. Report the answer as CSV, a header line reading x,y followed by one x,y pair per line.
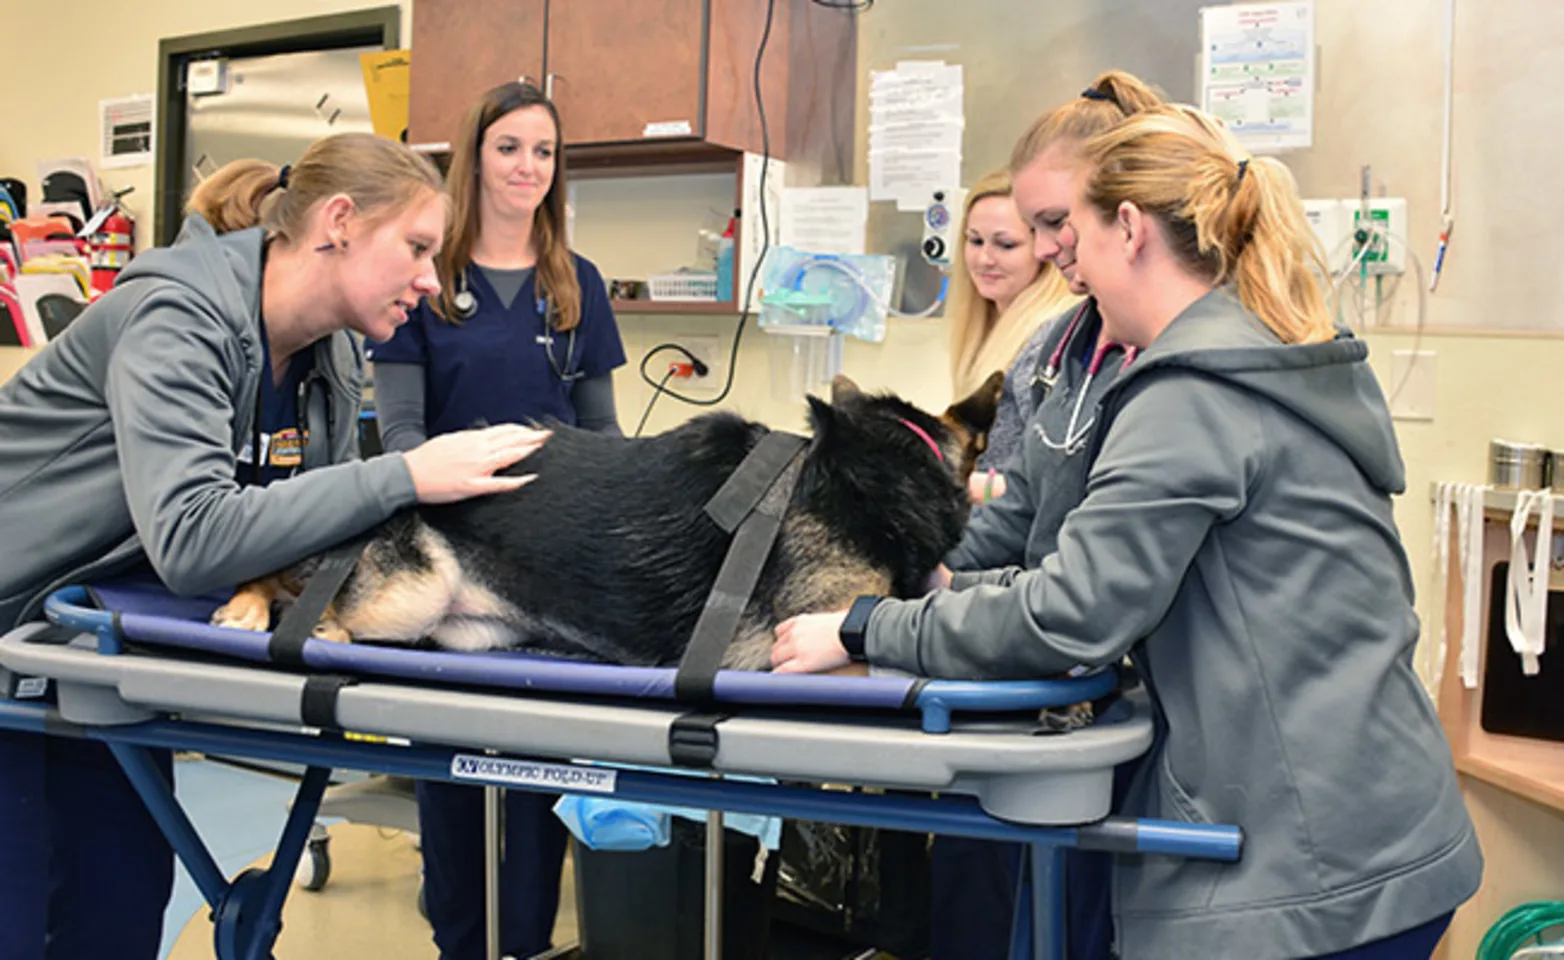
x,y
318,704
750,505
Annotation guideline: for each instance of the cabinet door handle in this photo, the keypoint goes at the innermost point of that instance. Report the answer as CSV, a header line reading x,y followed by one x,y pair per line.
x,y
548,85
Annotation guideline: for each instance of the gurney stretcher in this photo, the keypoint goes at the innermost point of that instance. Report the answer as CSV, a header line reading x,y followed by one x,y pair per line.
x,y
137,669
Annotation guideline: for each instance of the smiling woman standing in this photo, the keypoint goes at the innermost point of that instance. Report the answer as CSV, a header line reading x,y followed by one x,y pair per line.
x,y
1000,295
521,330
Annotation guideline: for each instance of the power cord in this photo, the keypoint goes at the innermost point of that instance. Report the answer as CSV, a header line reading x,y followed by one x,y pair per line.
x,y
648,411
659,389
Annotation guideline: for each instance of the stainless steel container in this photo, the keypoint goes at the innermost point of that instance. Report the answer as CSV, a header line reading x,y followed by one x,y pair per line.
x,y
1517,466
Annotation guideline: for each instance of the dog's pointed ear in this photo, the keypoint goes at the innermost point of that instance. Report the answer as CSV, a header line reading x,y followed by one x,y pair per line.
x,y
843,389
821,416
977,412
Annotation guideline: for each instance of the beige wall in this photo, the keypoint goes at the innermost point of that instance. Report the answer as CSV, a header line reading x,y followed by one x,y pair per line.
x,y
114,54
1379,104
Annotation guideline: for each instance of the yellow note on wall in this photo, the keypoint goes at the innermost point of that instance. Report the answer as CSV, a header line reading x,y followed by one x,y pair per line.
x,y
385,81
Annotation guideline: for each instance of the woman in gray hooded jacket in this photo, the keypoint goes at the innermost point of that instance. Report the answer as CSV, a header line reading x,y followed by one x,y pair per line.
x,y
1237,541
167,425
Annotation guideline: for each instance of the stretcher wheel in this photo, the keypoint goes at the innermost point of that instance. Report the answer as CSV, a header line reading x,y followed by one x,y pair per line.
x,y
315,865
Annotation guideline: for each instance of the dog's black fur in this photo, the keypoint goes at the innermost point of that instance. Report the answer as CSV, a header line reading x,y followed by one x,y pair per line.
x,y
608,554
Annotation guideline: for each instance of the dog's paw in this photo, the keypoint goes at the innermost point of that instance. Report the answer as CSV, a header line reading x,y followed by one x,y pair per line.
x,y
329,629
246,611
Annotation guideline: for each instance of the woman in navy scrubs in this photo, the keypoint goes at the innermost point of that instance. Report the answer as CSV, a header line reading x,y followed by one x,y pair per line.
x,y
521,331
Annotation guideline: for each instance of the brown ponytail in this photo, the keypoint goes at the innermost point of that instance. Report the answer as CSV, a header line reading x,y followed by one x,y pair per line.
x,y
1228,218
234,197
381,176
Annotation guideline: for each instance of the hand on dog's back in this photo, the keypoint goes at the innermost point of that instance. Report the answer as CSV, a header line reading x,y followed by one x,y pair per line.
x,y
456,466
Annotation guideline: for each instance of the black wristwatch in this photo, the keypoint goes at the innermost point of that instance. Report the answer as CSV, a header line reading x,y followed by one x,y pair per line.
x,y
855,628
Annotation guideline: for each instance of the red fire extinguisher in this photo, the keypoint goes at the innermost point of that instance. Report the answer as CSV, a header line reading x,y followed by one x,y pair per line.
x,y
111,246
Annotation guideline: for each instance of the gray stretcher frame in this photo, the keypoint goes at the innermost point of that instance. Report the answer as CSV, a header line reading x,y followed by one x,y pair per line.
x,y
1015,775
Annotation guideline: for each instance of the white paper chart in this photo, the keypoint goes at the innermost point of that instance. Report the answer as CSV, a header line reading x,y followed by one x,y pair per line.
x,y
915,124
1257,72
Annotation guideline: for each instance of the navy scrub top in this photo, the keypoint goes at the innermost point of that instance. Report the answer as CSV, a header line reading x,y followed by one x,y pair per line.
x,y
278,428
492,368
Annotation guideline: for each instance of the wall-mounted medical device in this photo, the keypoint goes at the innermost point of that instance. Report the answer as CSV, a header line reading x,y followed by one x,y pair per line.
x,y
941,220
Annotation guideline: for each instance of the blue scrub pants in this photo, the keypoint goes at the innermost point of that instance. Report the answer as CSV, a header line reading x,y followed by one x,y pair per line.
x,y
84,871
1417,943
450,822
974,900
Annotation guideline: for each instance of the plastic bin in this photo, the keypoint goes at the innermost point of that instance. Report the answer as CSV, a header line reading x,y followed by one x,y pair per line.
x,y
650,904
694,287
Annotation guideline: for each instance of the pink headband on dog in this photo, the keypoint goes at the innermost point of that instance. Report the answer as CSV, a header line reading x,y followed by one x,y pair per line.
x,y
926,438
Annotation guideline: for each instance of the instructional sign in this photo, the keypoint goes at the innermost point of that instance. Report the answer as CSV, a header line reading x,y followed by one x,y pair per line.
x,y
1257,72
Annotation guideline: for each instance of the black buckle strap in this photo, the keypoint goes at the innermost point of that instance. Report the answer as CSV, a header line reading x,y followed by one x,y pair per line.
x,y
318,703
693,740
752,501
298,624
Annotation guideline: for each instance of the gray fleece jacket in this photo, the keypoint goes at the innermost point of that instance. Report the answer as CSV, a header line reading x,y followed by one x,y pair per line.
x,y
1237,541
121,438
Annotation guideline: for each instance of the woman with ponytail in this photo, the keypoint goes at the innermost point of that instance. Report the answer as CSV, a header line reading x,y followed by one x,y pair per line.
x,y
520,331
1237,541
152,431
1022,502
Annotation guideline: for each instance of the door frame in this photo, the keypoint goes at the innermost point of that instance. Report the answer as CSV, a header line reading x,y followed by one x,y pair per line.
x,y
378,26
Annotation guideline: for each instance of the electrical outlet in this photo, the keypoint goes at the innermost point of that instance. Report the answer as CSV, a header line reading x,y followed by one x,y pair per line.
x,y
705,349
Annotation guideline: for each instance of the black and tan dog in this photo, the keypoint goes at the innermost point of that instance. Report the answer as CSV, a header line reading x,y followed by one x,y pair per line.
x,y
608,555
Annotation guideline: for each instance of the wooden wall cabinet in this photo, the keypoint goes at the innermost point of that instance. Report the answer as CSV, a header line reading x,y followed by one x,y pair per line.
x,y
639,80
462,48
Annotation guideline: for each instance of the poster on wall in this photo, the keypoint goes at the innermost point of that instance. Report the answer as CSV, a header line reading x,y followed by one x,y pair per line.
x,y
1257,72
126,125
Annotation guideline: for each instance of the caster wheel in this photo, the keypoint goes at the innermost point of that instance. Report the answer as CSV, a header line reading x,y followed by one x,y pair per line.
x,y
315,866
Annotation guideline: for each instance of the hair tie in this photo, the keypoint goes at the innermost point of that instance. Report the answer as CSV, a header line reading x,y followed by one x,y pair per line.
x,y
282,176
1243,168
1092,93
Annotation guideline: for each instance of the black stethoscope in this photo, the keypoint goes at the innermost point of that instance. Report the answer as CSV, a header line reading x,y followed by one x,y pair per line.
x,y
1076,433
466,306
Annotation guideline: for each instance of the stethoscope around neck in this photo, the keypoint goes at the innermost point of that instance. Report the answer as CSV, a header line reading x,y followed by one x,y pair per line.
x,y
465,304
1076,433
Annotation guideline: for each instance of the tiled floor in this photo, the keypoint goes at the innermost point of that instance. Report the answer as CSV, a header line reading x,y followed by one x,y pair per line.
x,y
368,907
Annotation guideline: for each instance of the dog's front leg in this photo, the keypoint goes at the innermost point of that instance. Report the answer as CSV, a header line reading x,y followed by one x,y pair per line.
x,y
251,605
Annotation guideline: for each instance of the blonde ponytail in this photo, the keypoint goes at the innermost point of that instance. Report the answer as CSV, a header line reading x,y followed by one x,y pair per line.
x,y
1104,103
1228,218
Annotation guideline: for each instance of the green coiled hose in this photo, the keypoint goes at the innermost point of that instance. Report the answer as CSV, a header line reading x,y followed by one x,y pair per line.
x,y
1512,931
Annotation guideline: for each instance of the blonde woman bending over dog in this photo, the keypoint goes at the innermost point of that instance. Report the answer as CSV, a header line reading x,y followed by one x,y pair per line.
x,y
154,430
